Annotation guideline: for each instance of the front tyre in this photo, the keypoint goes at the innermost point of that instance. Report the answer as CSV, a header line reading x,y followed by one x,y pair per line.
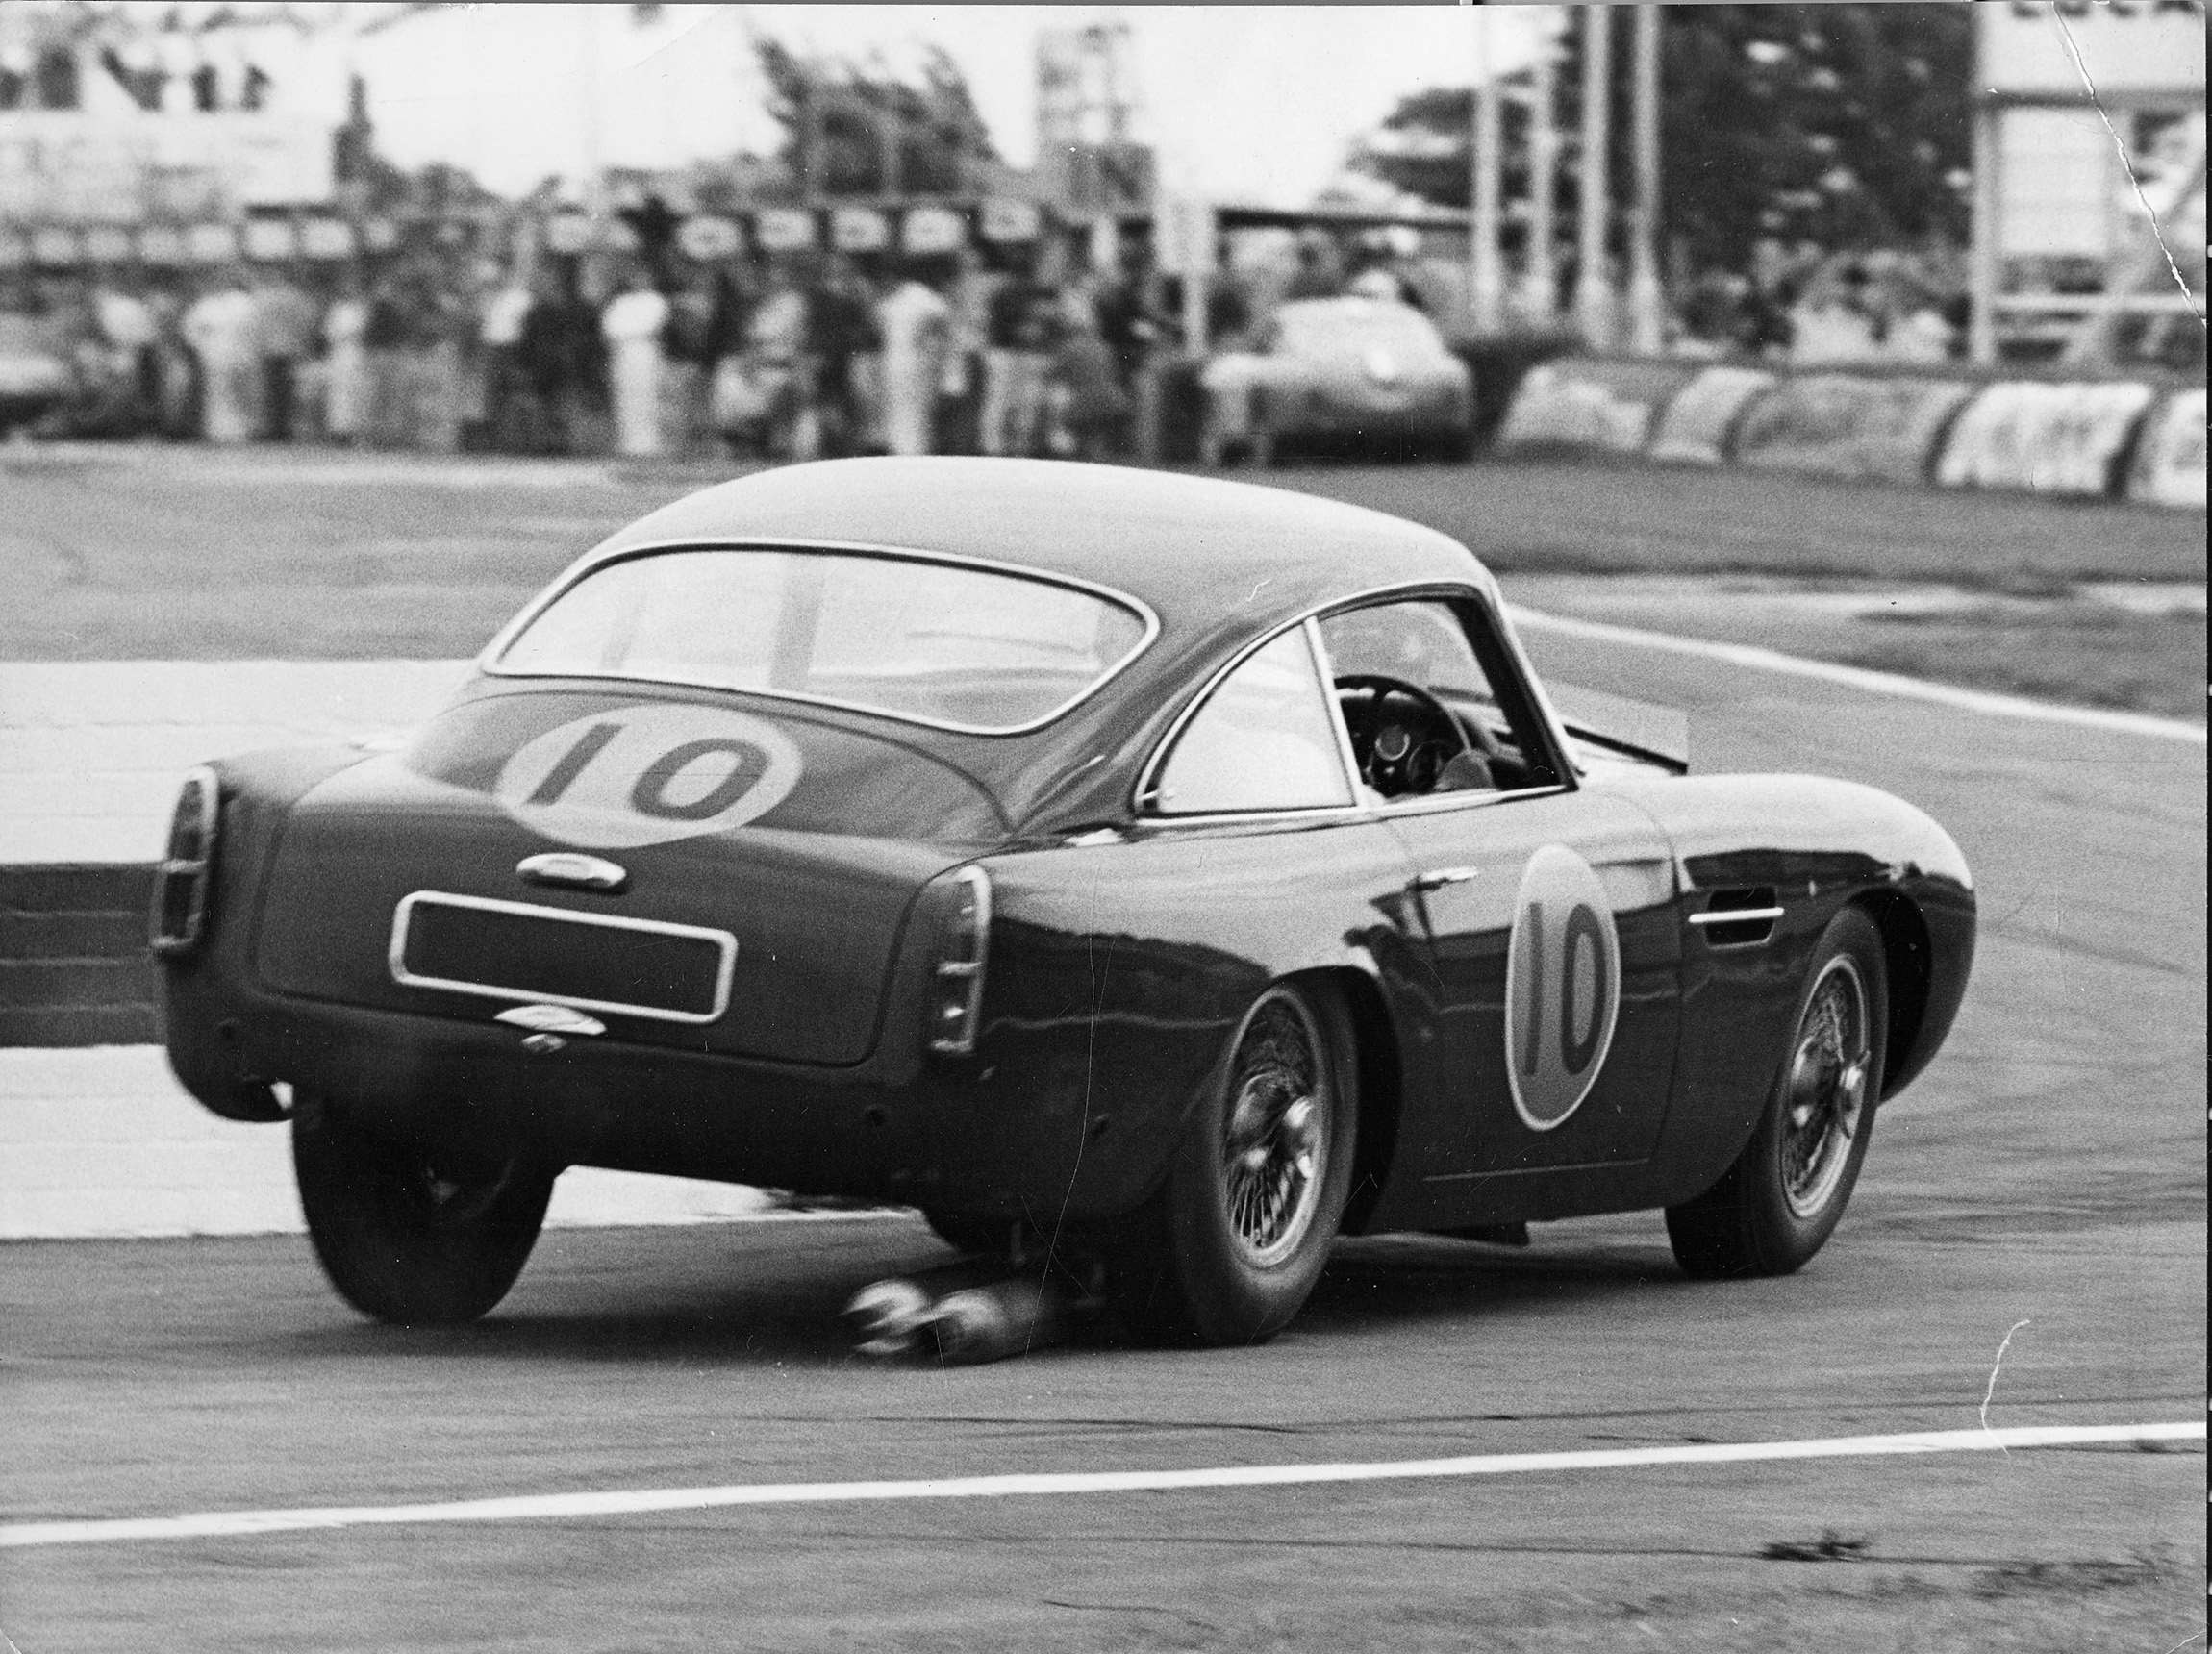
x,y
1782,1200
412,1234
1229,1249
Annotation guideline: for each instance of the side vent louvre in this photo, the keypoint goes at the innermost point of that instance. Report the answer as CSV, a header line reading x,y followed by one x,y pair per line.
x,y
1741,918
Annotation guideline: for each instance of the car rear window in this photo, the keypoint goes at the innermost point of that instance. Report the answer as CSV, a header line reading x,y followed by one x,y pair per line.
x,y
941,643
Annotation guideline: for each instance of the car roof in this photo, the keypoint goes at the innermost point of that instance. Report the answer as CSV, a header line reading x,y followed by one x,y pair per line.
x,y
1205,555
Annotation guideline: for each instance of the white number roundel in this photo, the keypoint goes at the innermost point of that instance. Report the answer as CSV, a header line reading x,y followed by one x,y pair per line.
x,y
647,774
1562,987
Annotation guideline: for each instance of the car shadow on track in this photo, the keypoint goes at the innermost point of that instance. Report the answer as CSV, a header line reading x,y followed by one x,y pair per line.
x,y
763,1294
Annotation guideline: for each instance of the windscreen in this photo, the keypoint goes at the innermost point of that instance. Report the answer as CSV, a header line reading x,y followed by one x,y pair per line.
x,y
969,648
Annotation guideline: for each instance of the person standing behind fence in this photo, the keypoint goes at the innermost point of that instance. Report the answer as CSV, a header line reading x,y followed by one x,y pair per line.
x,y
176,369
220,325
127,324
968,339
840,329
499,331
1015,364
344,334
914,319
284,332
632,323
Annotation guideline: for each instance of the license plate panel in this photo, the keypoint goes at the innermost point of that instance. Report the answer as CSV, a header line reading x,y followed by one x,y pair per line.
x,y
522,952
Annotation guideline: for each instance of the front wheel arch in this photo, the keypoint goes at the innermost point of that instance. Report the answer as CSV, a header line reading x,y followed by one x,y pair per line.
x,y
1908,954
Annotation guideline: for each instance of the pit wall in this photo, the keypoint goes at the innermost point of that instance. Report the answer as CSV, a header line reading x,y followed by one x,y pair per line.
x,y
2132,439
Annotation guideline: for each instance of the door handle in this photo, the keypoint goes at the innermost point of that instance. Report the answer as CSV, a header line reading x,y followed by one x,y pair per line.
x,y
1437,878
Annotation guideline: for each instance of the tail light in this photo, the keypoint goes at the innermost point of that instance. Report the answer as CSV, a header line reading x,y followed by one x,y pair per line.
x,y
180,910
956,988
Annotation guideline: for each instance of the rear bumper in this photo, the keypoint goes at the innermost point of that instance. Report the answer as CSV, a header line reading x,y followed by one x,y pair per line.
x,y
1006,1133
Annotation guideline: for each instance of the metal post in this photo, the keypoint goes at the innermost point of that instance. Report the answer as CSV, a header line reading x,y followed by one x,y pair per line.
x,y
1540,293
1485,286
1646,304
1982,256
1593,288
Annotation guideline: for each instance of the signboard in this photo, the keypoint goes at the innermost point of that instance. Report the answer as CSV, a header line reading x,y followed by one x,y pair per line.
x,y
92,165
2056,174
933,230
107,244
326,239
211,244
784,229
1184,236
1006,220
567,232
54,246
2127,46
859,230
709,238
161,244
271,239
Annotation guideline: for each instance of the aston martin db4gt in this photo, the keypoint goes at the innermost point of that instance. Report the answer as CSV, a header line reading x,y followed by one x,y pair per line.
x,y
1182,872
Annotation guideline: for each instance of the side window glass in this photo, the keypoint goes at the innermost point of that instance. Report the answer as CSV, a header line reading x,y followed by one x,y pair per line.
x,y
1264,740
1431,702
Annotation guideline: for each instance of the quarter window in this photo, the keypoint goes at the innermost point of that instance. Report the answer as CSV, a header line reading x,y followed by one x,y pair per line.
x,y
1264,740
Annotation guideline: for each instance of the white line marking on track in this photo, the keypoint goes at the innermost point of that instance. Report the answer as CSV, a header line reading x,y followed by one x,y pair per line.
x,y
635,1501
1862,677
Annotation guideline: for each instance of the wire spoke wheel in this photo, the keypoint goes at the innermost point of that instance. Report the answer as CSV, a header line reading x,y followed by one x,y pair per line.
x,y
1275,1134
1825,1103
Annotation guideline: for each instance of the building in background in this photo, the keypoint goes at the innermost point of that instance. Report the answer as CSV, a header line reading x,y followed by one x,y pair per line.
x,y
2089,200
120,115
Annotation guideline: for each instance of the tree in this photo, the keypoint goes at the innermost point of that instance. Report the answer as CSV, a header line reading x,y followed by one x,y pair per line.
x,y
850,131
1846,125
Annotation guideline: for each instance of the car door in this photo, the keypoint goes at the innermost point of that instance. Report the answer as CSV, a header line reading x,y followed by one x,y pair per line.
x,y
1546,910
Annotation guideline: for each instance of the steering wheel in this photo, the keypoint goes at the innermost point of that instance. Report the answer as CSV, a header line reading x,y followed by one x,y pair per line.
x,y
1398,755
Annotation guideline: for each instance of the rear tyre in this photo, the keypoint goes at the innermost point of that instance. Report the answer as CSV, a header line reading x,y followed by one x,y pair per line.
x,y
1228,1250
1779,1204
410,1235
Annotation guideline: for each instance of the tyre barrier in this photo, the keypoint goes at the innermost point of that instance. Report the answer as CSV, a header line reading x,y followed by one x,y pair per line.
x,y
2051,438
2168,467
1700,425
1849,425
1589,405
2117,438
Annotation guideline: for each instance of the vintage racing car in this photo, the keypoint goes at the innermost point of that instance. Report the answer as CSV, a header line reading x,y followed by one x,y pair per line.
x,y
1175,872
1340,372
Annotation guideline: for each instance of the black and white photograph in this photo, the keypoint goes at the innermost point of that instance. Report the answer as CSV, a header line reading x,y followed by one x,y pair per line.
x,y
1006,828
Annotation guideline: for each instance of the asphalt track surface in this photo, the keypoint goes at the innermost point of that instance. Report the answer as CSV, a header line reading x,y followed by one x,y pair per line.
x,y
2045,1180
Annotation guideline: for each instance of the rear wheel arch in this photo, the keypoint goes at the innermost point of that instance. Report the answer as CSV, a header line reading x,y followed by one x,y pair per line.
x,y
1375,1062
1908,954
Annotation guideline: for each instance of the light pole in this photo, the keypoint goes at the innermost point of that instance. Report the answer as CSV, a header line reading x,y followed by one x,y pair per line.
x,y
1486,288
1593,286
1646,304
1539,291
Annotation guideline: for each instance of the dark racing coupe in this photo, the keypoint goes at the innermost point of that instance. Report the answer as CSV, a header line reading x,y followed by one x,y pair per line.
x,y
1169,873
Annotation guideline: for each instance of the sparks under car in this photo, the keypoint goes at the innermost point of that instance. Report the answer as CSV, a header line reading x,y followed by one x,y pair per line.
x,y
1187,871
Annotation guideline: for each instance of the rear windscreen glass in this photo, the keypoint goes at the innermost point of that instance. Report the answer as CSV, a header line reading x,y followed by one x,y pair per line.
x,y
942,644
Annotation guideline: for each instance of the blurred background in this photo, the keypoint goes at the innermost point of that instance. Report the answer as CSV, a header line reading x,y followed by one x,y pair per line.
x,y
788,230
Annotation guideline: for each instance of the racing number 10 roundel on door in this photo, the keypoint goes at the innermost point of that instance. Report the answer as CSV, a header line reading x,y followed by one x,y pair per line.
x,y
1562,987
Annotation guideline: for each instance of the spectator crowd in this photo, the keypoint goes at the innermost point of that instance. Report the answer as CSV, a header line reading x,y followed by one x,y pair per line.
x,y
1028,351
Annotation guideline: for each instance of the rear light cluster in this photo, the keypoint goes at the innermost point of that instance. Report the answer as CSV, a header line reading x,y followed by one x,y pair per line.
x,y
180,911
956,989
